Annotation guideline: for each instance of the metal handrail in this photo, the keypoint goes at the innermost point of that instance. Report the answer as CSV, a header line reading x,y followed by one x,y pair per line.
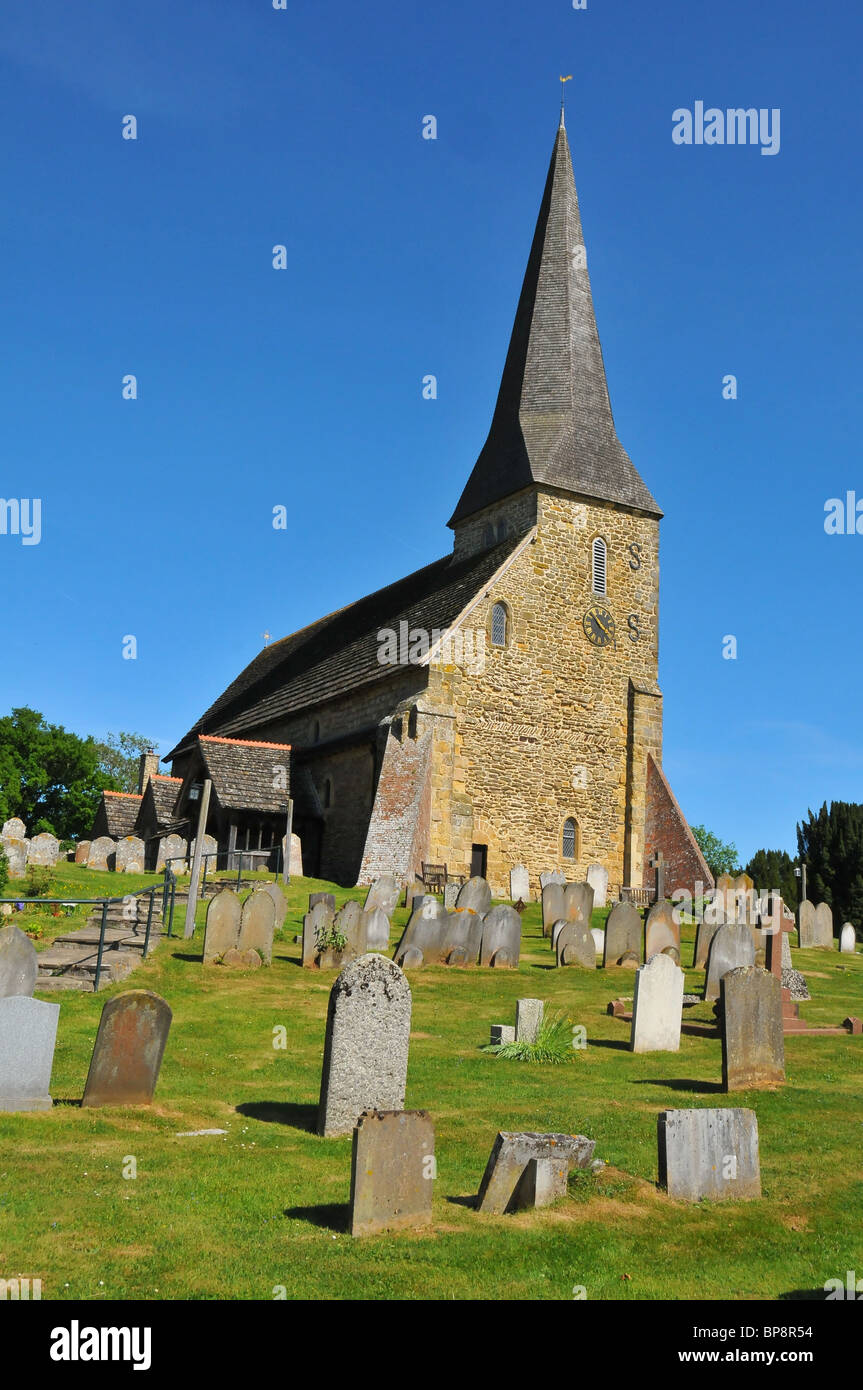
x,y
106,903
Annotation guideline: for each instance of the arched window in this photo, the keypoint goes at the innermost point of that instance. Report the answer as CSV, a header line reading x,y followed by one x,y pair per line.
x,y
599,565
569,838
328,793
499,625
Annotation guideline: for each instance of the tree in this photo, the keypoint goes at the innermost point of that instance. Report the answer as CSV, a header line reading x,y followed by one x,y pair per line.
x,y
119,756
48,777
831,843
772,869
721,858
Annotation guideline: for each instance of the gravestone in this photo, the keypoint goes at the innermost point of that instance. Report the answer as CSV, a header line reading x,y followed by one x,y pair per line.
x,y
528,1019
597,877
44,849
848,940
502,1033
317,921
384,894
578,902
350,922
392,1168
129,855
501,937
787,963
280,903
519,884
475,894
598,939
13,829
510,1155
366,1046
709,1153
543,1181
423,936
415,898
823,926
753,1048
173,848
806,924
555,876
704,934
295,867
661,932
257,924
209,847
82,851
222,929
623,936
377,926
553,906
101,854
657,1008
28,1032
574,945
732,946
129,1047
16,856
328,898
461,938
450,896
19,965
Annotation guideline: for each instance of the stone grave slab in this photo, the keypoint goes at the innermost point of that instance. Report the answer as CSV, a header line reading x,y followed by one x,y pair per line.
x,y
475,894
316,923
709,1153
44,849
704,934
806,924
598,940
328,898
528,1019
661,932
392,1163
377,927
823,926
366,1045
13,829
82,851
597,877
173,848
222,929
623,932
28,1033
19,964
578,902
657,1007
129,855
512,1152
384,895
848,940
553,906
423,936
461,938
501,938
519,884
257,924
554,876
450,896
130,1044
753,1046
574,945
731,947
502,1033
280,903
16,856
543,1182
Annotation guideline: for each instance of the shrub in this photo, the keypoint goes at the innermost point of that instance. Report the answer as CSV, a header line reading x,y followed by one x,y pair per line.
x,y
4,871
37,881
553,1044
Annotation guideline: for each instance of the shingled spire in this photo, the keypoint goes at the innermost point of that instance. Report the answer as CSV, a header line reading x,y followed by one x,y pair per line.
x,y
553,424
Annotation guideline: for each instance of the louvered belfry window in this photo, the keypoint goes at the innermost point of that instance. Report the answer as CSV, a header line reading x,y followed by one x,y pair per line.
x,y
599,558
498,625
569,838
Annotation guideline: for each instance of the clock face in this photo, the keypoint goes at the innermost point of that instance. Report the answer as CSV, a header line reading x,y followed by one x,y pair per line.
x,y
598,626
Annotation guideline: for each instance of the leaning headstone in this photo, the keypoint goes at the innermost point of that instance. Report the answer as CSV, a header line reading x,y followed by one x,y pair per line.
x,y
623,936
13,829
129,855
461,938
709,1153
519,884
554,877
392,1171
280,903
732,946
366,1047
753,1048
657,1007
704,934
578,902
101,854
222,929
475,894
257,924
574,945
528,1019
848,940
377,925
661,932
129,1047
823,926
28,1032
450,896
328,898
512,1152
543,1181
82,851
501,937
316,923
383,894
19,965
597,877
806,924
44,849
350,922
553,906
423,937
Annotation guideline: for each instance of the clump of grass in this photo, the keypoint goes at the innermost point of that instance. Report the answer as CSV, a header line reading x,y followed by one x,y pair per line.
x,y
553,1043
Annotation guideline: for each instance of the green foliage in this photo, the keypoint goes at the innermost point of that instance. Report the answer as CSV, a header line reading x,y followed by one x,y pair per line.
x,y
4,872
330,939
553,1043
721,858
831,843
771,869
48,777
118,759
37,881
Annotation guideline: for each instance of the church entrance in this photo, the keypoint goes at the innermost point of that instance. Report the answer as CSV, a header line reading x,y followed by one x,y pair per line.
x,y
478,860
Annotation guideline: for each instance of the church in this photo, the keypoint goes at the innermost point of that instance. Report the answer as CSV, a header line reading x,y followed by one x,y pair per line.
x,y
499,706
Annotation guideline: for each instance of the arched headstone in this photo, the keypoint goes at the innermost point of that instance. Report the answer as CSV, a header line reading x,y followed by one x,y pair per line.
x,y
575,945
384,894
316,923
848,940
657,1007
553,906
423,934
19,964
501,937
462,937
129,855
806,924
280,903
823,926
44,850
13,829
377,925
578,902
257,924
475,894
732,946
366,1045
129,1048
101,854
622,935
222,930
519,884
82,851
661,932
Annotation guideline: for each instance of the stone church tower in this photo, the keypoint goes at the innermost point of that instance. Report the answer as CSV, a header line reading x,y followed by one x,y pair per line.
x,y
526,726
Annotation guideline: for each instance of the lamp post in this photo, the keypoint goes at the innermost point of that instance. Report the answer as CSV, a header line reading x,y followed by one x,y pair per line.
x,y
801,874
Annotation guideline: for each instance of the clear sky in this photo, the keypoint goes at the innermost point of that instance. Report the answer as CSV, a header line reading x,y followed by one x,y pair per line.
x,y
302,387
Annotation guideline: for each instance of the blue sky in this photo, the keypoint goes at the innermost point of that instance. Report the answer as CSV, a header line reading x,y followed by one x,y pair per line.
x,y
303,388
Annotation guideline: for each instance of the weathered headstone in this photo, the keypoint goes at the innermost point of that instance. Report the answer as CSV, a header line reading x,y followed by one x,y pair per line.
x,y
475,894
450,896
316,923
392,1171
19,965
578,902
280,903
423,936
172,848
787,963
661,932
598,940
129,1047
553,906
328,898
528,1019
461,938
129,855
709,1153
519,884
28,1032
257,924
82,851
597,877
848,940
555,876
753,1048
101,854
704,934
44,850
366,1047
623,936
657,1007
806,924
350,922
295,867
543,1181
377,925
384,894
222,929
502,1033
574,945
243,960
823,926
501,937
13,829
510,1155
209,847
732,946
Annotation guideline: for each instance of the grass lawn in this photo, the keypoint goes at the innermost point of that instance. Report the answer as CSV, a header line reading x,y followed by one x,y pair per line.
x,y
265,1205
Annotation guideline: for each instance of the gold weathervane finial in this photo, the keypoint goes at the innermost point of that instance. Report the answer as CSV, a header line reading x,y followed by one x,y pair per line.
x,y
563,79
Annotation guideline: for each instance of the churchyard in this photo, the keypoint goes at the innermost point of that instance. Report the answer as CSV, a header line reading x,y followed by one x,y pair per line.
x,y
223,1187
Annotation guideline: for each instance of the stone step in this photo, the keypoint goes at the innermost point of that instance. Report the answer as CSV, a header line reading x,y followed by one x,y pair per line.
x,y
51,984
116,938
67,964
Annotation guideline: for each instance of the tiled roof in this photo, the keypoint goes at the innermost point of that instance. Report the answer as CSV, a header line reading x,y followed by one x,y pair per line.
x,y
244,773
121,812
165,791
339,653
552,423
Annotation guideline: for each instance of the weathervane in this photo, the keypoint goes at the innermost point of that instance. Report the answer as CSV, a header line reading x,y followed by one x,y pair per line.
x,y
563,79
266,636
